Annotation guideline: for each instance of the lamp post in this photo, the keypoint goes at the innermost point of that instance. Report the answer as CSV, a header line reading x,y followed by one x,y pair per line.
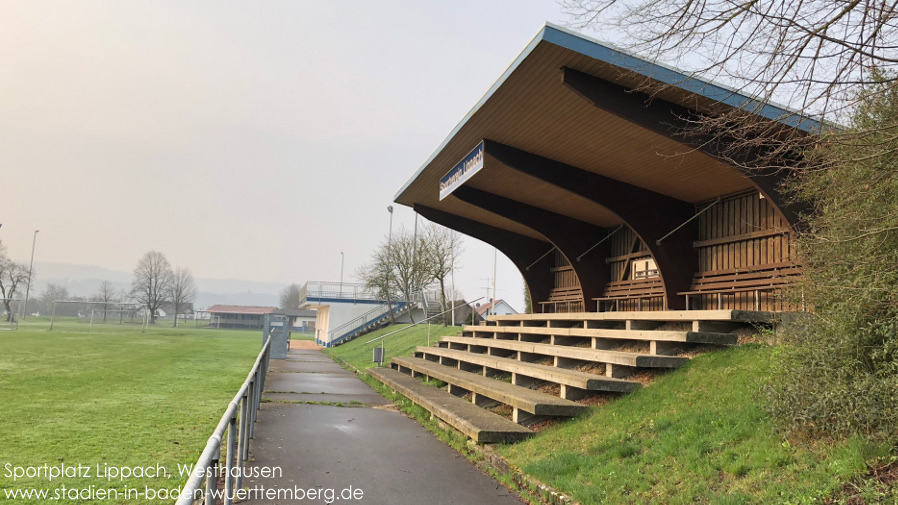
x,y
342,257
390,236
389,252
493,300
30,269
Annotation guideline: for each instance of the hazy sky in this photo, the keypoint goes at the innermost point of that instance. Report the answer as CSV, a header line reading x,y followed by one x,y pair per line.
x,y
245,140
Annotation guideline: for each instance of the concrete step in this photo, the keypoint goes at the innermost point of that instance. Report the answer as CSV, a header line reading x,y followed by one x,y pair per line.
x,y
562,376
630,359
697,337
523,400
479,424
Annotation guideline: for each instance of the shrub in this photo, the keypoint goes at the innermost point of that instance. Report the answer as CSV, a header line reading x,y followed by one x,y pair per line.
x,y
837,370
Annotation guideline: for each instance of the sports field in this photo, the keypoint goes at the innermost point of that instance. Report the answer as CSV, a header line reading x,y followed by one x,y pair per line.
x,y
85,404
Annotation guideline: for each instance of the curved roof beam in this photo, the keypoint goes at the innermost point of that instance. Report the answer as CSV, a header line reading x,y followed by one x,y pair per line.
x,y
651,215
671,120
522,251
571,236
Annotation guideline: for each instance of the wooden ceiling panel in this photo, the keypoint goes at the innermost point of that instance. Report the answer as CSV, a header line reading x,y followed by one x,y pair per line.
x,y
535,112
498,179
455,206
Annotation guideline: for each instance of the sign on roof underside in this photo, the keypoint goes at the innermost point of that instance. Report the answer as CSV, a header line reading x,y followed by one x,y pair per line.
x,y
464,170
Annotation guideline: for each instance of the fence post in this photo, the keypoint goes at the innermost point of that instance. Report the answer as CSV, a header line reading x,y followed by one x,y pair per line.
x,y
212,480
229,478
242,447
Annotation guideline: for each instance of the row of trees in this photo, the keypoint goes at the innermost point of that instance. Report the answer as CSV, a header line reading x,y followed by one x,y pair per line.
x,y
409,261
155,285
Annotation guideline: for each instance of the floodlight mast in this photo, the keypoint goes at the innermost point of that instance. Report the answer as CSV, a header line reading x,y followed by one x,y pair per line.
x,y
30,269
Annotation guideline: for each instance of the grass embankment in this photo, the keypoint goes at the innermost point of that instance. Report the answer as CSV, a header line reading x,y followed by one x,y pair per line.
x,y
696,435
360,354
113,396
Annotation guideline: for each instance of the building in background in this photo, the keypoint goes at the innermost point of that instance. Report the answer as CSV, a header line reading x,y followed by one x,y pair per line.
x,y
239,316
500,308
301,320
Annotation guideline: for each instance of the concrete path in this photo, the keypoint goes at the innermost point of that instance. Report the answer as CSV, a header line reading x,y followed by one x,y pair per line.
x,y
327,430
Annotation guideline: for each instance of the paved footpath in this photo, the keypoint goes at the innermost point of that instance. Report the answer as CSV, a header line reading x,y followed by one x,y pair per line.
x,y
326,429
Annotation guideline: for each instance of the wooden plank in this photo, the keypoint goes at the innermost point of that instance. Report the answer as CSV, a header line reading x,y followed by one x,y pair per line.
x,y
581,353
519,397
737,238
625,257
479,424
575,378
759,274
646,335
753,268
665,315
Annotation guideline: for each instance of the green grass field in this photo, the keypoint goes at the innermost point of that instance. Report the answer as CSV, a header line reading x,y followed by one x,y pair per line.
x,y
696,435
360,354
113,396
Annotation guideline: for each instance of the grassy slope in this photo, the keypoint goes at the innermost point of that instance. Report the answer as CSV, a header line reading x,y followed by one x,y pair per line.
x,y
360,355
697,435
115,396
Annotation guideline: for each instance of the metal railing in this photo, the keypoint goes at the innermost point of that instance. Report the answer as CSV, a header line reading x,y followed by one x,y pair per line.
x,y
429,298
375,339
335,290
372,316
239,431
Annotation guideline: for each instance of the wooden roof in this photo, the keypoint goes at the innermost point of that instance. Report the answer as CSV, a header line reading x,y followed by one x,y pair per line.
x,y
531,109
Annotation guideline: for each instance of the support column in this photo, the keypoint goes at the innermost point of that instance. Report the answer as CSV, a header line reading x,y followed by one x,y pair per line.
x,y
521,250
651,215
571,236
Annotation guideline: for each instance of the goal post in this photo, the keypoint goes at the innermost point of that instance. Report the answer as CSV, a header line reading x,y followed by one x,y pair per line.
x,y
92,312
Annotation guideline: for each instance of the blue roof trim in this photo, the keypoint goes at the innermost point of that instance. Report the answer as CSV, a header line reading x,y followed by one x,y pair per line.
x,y
602,51
668,75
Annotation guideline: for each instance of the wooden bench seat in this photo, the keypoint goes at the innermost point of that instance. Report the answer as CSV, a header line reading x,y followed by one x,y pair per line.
x,y
631,289
701,337
631,359
517,397
756,279
480,424
560,376
571,299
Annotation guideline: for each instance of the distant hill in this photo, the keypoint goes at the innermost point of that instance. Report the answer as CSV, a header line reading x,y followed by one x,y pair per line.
x,y
82,280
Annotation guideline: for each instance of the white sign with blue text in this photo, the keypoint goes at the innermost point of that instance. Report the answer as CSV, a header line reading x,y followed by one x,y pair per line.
x,y
467,167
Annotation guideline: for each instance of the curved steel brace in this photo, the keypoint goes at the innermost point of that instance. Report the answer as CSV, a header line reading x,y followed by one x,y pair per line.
x,y
649,214
521,250
569,235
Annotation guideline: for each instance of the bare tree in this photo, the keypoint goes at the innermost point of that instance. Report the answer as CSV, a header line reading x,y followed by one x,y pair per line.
x,y
378,278
815,55
182,290
13,276
106,294
50,294
805,51
151,284
409,270
290,296
440,248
